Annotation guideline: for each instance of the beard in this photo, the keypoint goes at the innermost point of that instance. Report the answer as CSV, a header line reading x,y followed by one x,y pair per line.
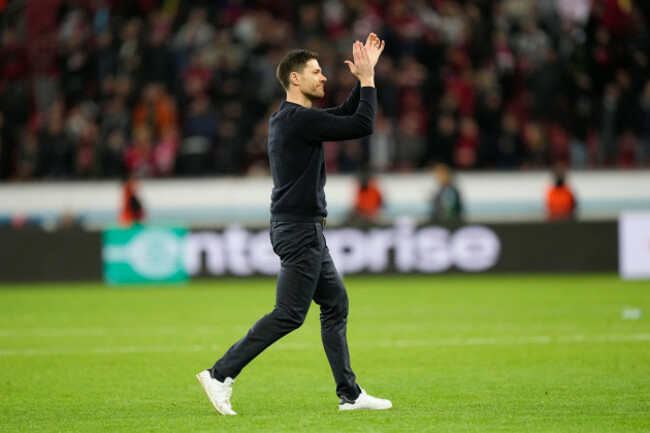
x,y
315,96
316,93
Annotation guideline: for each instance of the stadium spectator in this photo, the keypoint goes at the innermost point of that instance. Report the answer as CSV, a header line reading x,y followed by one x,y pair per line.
x,y
627,146
27,158
131,209
5,155
44,68
166,151
83,132
578,109
196,79
561,76
193,37
67,221
382,144
197,150
442,140
488,123
509,149
644,105
113,146
530,43
535,145
447,204
561,204
466,146
229,150
115,117
258,160
351,155
14,97
368,201
156,109
13,57
76,69
130,50
139,155
545,80
411,143
103,62
56,152
156,55
609,124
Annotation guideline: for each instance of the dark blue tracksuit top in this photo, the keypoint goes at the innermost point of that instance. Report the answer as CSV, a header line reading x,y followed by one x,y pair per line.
x,y
296,154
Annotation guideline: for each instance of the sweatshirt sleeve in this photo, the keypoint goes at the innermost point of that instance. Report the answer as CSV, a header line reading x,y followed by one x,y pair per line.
x,y
321,125
350,105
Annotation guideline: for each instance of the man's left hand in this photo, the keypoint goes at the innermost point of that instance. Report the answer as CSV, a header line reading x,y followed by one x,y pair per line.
x,y
374,47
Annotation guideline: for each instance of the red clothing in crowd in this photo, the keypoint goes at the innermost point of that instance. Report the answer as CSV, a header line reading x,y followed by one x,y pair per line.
x,y
368,203
560,203
132,211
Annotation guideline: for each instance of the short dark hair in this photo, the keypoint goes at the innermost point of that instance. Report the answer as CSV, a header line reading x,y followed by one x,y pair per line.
x,y
294,61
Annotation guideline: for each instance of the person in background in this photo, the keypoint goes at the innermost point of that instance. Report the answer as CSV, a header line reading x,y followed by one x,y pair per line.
x,y
447,204
368,201
132,211
561,204
68,221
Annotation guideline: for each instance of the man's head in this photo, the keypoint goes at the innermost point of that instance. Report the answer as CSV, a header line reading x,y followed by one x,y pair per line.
x,y
299,70
442,173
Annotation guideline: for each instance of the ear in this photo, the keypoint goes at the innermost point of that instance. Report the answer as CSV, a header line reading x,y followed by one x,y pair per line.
x,y
294,78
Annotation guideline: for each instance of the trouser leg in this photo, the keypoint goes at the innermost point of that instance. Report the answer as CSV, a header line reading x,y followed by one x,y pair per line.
x,y
300,269
333,300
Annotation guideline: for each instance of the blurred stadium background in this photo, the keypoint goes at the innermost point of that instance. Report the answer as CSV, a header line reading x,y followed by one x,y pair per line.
x,y
133,150
176,96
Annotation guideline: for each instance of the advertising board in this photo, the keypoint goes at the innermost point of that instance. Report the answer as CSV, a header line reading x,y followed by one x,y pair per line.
x,y
634,245
175,254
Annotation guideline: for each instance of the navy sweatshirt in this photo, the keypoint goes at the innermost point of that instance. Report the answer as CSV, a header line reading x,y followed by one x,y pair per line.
x,y
296,154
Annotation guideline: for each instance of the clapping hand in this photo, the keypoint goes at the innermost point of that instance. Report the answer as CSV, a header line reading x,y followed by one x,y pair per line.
x,y
374,47
362,67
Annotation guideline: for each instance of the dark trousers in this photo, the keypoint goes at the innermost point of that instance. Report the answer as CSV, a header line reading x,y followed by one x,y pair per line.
x,y
307,273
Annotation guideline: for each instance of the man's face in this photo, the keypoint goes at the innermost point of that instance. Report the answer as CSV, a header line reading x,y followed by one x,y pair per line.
x,y
312,80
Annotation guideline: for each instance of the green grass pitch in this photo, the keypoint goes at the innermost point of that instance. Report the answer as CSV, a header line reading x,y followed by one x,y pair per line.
x,y
455,353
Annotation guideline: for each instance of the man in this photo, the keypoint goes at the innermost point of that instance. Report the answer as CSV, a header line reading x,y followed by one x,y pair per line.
x,y
447,202
560,201
368,201
298,211
132,211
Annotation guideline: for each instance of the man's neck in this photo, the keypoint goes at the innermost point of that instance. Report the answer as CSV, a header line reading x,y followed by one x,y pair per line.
x,y
299,98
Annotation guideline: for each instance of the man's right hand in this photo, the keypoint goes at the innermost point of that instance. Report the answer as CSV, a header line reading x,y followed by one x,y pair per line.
x,y
362,68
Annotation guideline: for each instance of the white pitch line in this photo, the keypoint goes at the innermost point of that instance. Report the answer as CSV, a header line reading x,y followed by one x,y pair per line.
x,y
514,341
108,350
94,332
474,341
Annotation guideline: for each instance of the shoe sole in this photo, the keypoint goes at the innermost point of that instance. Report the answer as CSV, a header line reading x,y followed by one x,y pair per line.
x,y
341,408
205,389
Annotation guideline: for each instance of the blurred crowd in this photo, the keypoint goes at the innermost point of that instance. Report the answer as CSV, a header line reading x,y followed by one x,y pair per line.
x,y
158,88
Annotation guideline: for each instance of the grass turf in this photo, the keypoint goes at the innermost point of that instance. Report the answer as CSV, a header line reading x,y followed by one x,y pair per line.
x,y
454,353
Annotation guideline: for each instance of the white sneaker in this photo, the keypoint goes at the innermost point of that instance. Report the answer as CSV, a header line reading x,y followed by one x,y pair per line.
x,y
218,392
364,401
